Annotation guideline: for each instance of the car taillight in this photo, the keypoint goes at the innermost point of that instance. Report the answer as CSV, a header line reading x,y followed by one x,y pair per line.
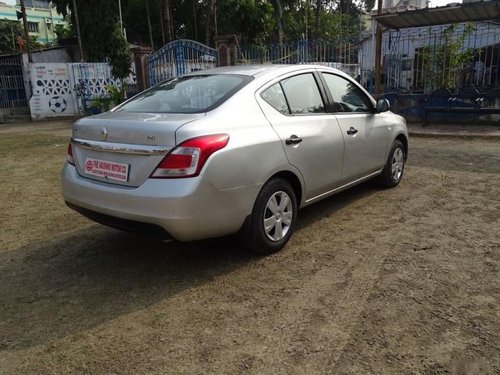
x,y
188,158
69,155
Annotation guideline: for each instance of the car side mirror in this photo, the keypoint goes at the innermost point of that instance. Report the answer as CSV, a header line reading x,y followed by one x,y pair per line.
x,y
383,105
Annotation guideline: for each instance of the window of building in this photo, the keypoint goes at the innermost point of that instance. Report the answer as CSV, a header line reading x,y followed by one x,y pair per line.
x,y
406,65
33,27
44,4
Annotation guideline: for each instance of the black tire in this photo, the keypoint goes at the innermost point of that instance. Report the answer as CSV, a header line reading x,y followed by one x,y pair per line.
x,y
394,167
254,234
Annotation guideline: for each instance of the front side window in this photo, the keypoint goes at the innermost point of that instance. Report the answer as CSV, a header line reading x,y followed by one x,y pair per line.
x,y
191,94
346,95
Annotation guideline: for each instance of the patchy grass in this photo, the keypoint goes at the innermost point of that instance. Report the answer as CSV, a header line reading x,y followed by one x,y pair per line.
x,y
374,281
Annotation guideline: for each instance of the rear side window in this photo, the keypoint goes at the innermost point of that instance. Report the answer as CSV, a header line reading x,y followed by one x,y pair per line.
x,y
276,98
296,95
191,94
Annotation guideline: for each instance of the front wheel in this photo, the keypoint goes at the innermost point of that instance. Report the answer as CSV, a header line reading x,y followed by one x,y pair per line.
x,y
273,218
394,167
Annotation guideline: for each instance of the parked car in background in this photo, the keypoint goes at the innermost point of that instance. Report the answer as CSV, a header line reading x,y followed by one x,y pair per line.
x,y
234,149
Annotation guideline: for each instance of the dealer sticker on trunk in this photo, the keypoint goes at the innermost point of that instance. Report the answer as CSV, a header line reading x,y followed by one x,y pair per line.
x,y
108,169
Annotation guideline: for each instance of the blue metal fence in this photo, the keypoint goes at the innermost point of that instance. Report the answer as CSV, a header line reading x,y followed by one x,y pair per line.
x,y
419,60
185,56
300,52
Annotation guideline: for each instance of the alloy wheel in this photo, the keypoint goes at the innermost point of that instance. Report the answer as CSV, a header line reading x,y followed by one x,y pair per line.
x,y
278,216
397,163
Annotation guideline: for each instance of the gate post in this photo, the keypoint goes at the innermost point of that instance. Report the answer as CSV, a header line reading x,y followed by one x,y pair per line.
x,y
226,46
141,66
179,58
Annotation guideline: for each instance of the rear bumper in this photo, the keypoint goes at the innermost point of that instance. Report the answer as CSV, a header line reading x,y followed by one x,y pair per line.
x,y
187,209
123,224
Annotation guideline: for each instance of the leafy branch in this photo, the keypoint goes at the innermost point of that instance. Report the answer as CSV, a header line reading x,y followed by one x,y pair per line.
x,y
443,61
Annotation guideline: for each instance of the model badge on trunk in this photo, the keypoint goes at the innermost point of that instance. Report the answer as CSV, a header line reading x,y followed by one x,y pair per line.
x,y
104,133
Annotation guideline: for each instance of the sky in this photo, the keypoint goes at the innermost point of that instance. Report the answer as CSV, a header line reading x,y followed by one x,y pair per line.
x,y
440,3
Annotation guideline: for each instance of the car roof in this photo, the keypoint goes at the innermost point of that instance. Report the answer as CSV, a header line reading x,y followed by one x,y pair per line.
x,y
258,71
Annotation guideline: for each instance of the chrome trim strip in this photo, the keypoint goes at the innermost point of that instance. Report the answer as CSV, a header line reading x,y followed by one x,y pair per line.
x,y
121,148
343,187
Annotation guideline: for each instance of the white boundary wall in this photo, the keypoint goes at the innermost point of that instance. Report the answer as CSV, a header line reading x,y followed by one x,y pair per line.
x,y
62,89
53,91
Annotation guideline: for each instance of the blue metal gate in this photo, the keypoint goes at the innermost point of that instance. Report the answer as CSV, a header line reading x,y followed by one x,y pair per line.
x,y
179,57
12,93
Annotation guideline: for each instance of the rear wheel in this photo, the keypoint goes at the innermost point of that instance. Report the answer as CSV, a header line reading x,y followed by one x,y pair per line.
x,y
273,218
394,167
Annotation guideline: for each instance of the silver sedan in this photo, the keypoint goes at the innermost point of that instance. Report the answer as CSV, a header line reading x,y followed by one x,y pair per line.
x,y
236,149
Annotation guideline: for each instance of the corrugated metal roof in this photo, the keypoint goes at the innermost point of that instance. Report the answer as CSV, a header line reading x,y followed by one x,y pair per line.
x,y
479,11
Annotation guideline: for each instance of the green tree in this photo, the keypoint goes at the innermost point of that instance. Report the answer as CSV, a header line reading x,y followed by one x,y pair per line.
x,y
444,60
9,31
135,21
63,34
254,21
321,19
100,30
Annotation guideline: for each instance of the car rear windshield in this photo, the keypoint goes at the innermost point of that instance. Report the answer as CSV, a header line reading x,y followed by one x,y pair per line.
x,y
190,94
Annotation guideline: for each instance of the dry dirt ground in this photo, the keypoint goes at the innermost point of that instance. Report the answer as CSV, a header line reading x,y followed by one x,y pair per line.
x,y
401,281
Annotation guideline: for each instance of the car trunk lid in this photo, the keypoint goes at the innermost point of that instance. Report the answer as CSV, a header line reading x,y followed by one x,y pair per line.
x,y
124,148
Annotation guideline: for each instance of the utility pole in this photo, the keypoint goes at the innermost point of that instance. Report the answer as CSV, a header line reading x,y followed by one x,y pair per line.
x,y
378,53
168,23
13,38
162,29
120,11
149,26
307,19
121,19
215,20
78,30
26,34
195,22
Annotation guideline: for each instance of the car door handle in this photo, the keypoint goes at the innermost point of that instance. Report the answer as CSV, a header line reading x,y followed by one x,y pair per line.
x,y
293,140
352,131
